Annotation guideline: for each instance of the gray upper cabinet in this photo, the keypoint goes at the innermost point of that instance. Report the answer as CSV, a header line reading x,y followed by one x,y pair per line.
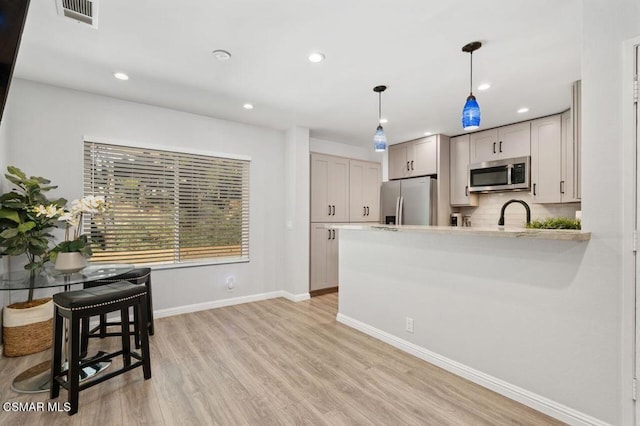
x,y
365,178
503,142
572,146
459,171
546,160
414,158
554,160
329,188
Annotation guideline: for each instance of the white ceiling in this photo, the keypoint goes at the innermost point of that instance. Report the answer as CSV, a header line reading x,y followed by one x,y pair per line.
x,y
530,55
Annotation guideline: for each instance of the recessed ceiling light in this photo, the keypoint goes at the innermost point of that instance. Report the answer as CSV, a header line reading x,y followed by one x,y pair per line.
x,y
221,55
523,110
316,57
383,121
247,106
428,133
484,86
120,76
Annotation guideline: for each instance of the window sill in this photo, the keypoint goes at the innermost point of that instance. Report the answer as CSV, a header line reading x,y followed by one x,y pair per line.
x,y
161,266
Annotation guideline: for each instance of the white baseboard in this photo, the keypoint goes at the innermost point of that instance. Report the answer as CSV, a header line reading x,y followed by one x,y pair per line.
x,y
535,401
295,297
228,302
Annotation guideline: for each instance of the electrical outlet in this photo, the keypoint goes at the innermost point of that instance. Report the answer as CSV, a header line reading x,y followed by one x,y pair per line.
x,y
408,324
231,283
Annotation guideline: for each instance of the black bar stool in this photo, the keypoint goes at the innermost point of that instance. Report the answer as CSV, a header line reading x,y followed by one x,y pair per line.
x,y
138,276
80,305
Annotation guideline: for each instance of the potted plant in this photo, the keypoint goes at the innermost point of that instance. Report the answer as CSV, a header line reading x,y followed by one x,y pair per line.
x,y
70,255
26,218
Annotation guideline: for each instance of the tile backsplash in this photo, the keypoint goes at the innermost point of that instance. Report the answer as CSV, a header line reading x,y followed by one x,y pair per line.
x,y
487,212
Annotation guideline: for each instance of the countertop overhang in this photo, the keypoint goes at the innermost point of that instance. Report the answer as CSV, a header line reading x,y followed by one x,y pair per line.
x,y
498,232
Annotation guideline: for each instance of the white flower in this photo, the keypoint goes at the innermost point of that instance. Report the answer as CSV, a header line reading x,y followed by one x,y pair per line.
x,y
49,211
89,204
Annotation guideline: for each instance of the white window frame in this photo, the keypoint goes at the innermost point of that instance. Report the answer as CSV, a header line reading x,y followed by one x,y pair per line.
x,y
182,150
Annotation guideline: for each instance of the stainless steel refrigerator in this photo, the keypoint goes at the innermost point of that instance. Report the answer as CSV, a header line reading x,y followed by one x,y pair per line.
x,y
409,201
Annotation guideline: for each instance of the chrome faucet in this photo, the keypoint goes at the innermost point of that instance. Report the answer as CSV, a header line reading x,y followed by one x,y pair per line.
x,y
526,207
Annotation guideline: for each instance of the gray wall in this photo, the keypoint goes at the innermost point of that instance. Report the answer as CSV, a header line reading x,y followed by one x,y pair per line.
x,y
46,133
539,315
607,183
553,318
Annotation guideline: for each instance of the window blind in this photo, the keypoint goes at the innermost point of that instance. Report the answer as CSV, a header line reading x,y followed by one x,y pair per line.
x,y
166,207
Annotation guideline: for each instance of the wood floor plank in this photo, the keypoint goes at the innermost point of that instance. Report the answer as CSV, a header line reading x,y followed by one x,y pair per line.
x,y
272,362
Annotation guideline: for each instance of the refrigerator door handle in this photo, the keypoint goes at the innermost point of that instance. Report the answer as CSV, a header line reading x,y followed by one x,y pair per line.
x,y
400,215
397,209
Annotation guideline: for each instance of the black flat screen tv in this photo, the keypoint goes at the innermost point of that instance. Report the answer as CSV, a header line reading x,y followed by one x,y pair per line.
x,y
13,14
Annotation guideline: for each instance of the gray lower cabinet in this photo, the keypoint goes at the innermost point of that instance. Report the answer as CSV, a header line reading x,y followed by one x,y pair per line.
x,y
324,257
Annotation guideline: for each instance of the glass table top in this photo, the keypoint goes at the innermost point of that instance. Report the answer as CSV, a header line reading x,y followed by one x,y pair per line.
x,y
50,277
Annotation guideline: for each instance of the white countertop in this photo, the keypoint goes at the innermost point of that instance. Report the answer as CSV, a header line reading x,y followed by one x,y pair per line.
x,y
500,232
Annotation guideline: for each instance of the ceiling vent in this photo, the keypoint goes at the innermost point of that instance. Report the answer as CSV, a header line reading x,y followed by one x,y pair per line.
x,y
85,11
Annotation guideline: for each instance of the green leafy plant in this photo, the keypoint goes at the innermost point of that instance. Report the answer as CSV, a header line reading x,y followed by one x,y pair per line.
x,y
81,245
26,217
555,223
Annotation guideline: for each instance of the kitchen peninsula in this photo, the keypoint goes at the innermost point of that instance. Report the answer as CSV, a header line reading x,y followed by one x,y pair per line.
x,y
504,308
498,231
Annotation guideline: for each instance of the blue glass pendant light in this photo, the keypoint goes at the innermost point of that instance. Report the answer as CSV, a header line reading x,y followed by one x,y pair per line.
x,y
471,110
379,139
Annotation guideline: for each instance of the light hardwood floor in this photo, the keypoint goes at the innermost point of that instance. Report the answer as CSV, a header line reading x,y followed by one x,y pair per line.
x,y
273,362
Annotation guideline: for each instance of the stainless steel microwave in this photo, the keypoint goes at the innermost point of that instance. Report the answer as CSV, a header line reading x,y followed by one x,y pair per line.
x,y
500,175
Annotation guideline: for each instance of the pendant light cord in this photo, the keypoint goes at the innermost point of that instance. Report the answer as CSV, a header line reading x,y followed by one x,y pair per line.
x,y
379,107
471,75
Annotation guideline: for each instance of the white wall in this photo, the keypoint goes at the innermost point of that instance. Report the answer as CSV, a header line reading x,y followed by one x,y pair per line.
x,y
534,314
552,318
46,133
297,186
343,150
606,186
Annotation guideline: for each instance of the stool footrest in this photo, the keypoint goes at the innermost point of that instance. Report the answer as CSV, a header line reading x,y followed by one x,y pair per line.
x,y
100,379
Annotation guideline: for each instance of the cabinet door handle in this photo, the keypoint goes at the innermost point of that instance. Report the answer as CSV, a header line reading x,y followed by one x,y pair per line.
x,y
534,189
333,231
367,210
411,164
334,209
329,209
329,232
494,147
364,211
500,146
408,166
562,187
466,191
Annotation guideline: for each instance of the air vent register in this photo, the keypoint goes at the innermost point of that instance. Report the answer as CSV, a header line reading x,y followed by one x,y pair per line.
x,y
85,11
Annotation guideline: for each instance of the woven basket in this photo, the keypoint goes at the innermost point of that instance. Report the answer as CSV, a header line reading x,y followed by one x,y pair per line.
x,y
27,330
